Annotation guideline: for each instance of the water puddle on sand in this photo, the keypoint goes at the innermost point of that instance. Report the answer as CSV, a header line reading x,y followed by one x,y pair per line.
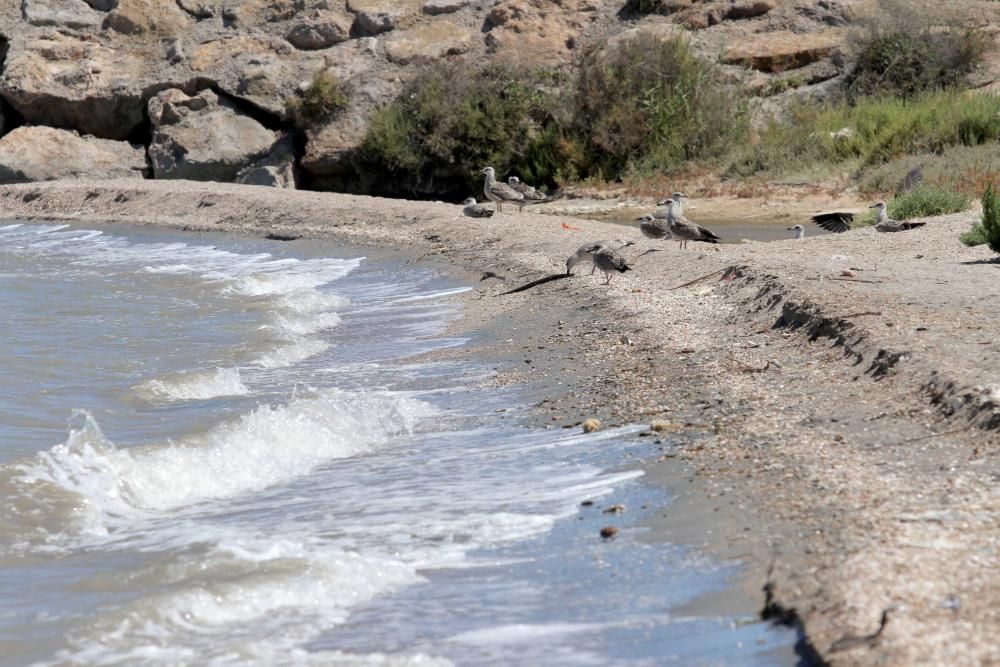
x,y
220,450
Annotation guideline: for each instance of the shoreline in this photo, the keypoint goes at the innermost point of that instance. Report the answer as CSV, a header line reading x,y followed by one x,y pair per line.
x,y
856,421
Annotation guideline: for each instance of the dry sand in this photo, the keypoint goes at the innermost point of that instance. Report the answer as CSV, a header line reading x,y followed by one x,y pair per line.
x,y
846,426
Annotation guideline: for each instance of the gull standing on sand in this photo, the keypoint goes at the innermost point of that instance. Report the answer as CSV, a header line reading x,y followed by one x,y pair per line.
x,y
886,224
530,194
653,227
586,253
498,192
474,210
684,230
608,261
800,231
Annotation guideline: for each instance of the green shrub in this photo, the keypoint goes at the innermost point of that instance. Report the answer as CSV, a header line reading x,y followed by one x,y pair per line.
x,y
903,52
988,229
967,169
922,202
649,104
449,123
320,102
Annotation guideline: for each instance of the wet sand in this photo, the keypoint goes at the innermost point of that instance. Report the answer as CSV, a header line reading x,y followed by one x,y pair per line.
x,y
834,400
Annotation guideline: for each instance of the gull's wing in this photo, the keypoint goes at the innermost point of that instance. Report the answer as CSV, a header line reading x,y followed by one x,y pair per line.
x,y
504,191
838,221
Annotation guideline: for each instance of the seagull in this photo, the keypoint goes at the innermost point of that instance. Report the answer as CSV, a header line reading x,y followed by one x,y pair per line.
x,y
684,230
887,224
678,204
800,231
498,192
840,221
585,252
653,227
530,194
608,260
474,210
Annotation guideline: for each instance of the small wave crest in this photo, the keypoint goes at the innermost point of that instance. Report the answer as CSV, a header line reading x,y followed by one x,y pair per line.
x,y
273,444
195,385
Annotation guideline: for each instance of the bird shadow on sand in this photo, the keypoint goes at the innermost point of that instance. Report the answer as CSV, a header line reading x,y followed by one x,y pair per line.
x,y
993,260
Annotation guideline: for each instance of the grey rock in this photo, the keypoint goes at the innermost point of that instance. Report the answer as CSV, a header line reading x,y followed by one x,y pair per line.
x,y
203,138
275,170
198,10
435,7
32,153
374,23
74,14
319,33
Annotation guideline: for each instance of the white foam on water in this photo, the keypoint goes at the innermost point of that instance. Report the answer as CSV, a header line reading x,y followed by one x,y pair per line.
x,y
195,385
271,445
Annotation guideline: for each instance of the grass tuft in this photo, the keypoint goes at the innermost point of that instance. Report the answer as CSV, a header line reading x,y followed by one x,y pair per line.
x,y
320,102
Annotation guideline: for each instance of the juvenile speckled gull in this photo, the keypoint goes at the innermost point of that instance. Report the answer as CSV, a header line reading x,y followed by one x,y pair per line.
x,y
474,210
653,227
886,224
530,195
585,253
609,261
498,192
684,230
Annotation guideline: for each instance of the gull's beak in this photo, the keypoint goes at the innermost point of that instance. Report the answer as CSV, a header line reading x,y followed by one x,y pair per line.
x,y
873,206
790,228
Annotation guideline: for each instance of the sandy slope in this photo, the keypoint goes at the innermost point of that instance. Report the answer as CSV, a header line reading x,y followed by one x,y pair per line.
x,y
850,420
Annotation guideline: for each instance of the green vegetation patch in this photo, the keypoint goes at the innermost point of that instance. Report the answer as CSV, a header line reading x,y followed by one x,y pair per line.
x,y
871,132
649,104
449,123
988,229
320,102
922,202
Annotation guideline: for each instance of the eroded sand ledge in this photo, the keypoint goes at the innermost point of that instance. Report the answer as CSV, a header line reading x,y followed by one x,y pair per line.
x,y
856,420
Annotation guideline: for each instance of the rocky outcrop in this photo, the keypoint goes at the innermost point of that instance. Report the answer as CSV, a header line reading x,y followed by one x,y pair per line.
x,y
537,32
203,138
45,153
373,17
78,82
779,51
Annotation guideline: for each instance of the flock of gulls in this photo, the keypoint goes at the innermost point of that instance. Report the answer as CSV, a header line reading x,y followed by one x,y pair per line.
x,y
666,222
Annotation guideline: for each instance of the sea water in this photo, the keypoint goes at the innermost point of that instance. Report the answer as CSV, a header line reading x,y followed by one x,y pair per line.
x,y
229,451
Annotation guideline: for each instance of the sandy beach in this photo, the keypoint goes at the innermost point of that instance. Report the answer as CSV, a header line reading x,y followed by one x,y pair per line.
x,y
836,400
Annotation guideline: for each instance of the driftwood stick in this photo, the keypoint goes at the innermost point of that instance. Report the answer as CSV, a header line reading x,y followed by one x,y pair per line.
x,y
848,280
536,283
698,280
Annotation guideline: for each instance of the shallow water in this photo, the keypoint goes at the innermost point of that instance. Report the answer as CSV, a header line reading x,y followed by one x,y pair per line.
x,y
221,450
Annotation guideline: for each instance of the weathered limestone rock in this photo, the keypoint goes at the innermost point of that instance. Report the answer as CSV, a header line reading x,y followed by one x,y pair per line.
x,y
138,17
33,153
74,14
322,33
537,32
377,16
203,138
427,42
435,7
276,170
713,13
781,50
76,82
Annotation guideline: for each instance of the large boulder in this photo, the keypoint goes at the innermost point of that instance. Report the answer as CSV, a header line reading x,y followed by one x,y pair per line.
x,y
203,138
275,170
74,14
781,50
32,153
141,17
427,42
77,82
319,33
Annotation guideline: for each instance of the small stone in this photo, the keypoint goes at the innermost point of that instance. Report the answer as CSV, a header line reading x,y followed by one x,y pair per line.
x,y
587,503
591,425
608,532
661,426
617,508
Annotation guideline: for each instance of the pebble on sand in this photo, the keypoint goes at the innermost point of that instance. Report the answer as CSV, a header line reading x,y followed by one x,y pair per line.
x,y
660,426
591,425
608,532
